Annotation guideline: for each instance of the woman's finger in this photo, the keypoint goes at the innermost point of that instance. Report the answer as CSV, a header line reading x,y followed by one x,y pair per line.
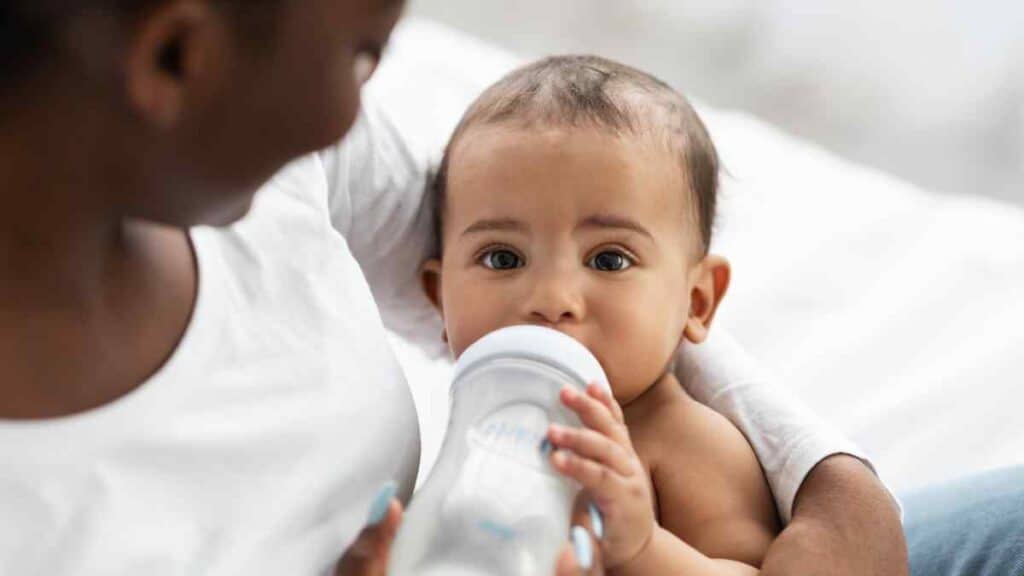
x,y
388,529
581,556
592,445
381,504
368,555
595,415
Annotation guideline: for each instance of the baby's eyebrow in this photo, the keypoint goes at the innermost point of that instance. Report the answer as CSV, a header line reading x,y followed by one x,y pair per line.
x,y
613,221
496,224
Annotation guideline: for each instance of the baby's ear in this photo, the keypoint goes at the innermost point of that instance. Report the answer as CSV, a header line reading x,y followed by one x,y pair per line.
x,y
430,281
712,275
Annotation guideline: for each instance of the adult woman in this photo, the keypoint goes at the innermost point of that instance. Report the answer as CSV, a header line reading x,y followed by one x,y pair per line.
x,y
224,401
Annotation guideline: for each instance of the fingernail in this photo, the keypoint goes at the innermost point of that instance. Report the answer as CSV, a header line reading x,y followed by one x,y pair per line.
x,y
596,521
381,503
581,545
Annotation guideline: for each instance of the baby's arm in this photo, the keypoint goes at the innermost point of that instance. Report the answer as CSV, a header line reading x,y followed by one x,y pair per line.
x,y
710,490
601,457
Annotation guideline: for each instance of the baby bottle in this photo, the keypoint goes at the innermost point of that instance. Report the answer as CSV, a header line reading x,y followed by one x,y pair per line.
x,y
493,505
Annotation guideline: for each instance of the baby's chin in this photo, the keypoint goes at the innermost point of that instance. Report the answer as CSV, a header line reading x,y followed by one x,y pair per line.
x,y
628,396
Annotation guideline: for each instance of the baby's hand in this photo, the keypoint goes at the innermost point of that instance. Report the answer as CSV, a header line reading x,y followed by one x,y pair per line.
x,y
602,459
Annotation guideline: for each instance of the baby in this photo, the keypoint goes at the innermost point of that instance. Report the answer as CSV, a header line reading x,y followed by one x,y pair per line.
x,y
579,194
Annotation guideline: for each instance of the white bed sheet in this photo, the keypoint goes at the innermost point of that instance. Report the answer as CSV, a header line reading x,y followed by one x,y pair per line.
x,y
896,313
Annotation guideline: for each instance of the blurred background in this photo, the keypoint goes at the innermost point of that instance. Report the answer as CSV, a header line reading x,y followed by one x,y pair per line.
x,y
929,90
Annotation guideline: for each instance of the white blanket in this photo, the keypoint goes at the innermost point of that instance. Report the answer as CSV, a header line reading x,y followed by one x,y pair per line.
x,y
896,313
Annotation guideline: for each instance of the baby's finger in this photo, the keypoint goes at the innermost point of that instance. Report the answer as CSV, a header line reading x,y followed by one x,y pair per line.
x,y
592,445
600,481
595,415
602,395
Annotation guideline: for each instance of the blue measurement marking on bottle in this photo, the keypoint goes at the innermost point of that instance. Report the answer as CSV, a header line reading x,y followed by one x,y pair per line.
x,y
511,434
501,531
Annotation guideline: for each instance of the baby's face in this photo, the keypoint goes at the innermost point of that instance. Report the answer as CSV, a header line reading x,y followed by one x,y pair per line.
x,y
572,229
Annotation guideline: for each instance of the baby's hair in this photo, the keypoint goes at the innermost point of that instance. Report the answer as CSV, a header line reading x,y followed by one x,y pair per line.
x,y
593,92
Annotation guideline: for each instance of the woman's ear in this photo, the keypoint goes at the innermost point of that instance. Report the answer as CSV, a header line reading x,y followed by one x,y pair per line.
x,y
713,274
178,52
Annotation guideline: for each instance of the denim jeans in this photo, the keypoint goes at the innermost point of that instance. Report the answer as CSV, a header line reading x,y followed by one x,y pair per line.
x,y
969,527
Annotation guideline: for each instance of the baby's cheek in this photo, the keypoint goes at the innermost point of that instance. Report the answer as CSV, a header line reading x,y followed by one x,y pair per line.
x,y
634,360
470,320
461,331
634,374
639,346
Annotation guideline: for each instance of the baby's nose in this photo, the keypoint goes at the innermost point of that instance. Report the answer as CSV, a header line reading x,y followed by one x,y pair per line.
x,y
555,300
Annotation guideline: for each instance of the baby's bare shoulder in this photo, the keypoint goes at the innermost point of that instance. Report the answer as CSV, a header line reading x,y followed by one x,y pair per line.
x,y
669,423
709,486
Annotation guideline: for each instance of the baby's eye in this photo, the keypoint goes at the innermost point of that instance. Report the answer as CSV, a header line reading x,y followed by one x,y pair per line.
x,y
501,260
610,261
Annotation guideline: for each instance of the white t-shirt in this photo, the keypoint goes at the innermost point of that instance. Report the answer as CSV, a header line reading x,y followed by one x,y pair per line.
x,y
258,447
787,437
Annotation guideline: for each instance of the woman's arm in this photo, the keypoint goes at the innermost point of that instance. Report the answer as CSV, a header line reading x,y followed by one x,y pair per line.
x,y
377,177
844,522
377,200
840,518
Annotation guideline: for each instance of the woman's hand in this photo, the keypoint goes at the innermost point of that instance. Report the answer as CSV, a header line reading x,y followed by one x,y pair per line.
x,y
368,556
602,459
582,556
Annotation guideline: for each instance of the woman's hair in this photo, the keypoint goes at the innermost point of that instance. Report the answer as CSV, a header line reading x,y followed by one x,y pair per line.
x,y
26,33
592,92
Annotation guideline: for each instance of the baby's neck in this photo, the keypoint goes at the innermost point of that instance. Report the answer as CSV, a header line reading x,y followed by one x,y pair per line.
x,y
664,391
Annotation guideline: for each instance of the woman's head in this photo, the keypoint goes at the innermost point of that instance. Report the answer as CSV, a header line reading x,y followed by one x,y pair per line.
x,y
187,104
